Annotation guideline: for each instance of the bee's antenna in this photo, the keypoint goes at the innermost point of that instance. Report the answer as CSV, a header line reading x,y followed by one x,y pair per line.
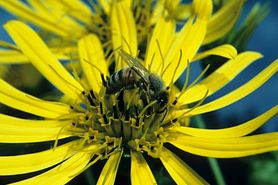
x,y
161,55
101,74
150,65
172,80
128,46
199,77
195,106
186,80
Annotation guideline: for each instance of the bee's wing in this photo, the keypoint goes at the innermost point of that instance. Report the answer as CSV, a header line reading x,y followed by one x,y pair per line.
x,y
135,64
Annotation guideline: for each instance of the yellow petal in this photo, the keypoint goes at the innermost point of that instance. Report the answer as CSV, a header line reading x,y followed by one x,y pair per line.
x,y
240,92
203,9
106,5
223,20
12,57
226,51
140,170
226,148
19,9
109,171
16,130
123,31
236,131
93,61
220,77
60,14
183,49
179,171
19,164
42,58
16,57
63,173
12,97
187,42
158,11
161,39
74,9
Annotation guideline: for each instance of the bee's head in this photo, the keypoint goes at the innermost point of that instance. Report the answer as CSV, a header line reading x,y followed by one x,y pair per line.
x,y
156,83
162,99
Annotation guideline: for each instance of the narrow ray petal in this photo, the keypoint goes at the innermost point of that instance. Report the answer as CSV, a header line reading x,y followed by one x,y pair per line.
x,y
106,5
64,172
19,164
15,130
203,8
74,7
123,31
226,51
140,170
240,92
187,42
59,13
12,57
191,35
223,21
236,131
226,148
19,9
93,61
16,57
161,39
179,171
220,77
12,97
109,171
42,58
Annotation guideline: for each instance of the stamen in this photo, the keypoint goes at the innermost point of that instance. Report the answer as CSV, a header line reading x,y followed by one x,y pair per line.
x,y
199,77
195,106
57,137
145,108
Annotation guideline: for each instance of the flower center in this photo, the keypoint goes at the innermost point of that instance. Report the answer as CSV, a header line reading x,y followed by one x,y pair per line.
x,y
128,118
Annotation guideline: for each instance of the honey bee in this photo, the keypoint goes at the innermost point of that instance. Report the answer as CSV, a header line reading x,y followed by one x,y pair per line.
x,y
136,75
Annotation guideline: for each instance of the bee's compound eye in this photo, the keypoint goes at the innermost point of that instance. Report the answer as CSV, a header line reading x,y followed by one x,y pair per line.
x,y
162,99
141,84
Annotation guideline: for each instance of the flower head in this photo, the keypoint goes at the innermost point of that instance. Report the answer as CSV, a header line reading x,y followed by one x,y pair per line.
x,y
133,107
62,23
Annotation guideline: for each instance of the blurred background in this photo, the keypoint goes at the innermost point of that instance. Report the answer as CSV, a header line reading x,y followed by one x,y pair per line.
x,y
257,170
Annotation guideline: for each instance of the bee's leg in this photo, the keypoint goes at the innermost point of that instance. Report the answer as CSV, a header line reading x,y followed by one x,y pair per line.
x,y
104,82
91,97
115,111
165,109
121,103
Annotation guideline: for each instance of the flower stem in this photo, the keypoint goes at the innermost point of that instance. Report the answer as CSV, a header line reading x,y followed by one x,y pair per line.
x,y
212,161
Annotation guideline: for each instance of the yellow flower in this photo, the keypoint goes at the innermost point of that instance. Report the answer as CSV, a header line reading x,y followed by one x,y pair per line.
x,y
137,120
61,23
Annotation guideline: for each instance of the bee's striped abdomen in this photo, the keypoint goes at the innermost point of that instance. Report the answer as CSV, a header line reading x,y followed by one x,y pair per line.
x,y
125,78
